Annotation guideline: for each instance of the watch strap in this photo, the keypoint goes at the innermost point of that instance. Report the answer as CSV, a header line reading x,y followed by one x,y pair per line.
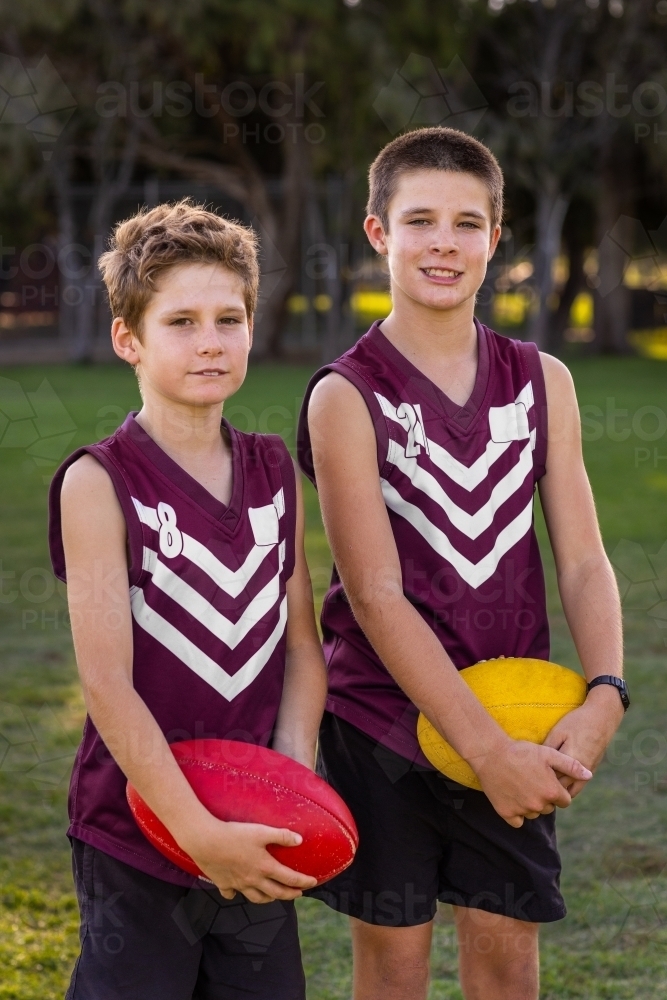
x,y
614,681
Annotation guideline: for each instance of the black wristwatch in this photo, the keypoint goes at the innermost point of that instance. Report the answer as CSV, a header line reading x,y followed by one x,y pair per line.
x,y
616,682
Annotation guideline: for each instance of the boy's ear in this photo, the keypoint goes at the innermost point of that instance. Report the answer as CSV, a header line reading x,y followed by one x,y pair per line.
x,y
376,235
124,341
493,242
251,327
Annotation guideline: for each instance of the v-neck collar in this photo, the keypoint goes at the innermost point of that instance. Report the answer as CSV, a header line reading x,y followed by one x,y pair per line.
x,y
461,415
182,479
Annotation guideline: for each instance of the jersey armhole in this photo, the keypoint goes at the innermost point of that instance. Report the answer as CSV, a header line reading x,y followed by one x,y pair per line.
x,y
134,530
350,372
288,480
531,361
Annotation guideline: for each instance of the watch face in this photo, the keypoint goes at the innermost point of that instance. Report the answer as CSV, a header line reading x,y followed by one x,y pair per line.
x,y
623,691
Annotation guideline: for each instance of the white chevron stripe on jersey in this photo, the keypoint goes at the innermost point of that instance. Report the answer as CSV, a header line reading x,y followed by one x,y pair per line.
x,y
468,477
228,685
474,574
231,633
471,525
229,580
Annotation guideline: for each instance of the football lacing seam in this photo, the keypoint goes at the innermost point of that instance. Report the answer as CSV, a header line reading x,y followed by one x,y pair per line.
x,y
273,784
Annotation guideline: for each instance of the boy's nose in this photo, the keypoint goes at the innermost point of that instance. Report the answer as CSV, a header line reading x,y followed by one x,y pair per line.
x,y
209,341
444,242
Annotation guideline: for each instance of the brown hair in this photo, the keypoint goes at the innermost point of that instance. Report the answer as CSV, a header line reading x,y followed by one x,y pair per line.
x,y
144,246
432,149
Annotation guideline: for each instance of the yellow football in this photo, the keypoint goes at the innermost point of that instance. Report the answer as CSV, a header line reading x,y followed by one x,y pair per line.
x,y
526,698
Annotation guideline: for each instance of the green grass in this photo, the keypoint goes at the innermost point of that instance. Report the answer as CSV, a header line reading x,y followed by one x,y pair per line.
x,y
613,943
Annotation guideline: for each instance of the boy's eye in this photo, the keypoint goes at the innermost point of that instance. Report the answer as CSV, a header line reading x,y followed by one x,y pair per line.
x,y
473,225
229,320
418,222
180,321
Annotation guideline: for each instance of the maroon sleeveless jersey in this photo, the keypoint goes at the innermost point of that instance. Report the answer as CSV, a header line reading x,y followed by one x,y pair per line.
x,y
207,590
458,482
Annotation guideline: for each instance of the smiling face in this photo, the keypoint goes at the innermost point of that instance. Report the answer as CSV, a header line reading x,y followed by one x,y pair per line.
x,y
196,336
439,239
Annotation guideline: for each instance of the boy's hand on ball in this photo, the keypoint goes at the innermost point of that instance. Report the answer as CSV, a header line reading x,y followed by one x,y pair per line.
x,y
521,779
586,732
235,858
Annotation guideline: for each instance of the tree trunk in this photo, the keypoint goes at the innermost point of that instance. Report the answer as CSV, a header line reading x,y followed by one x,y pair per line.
x,y
340,321
326,263
60,169
294,183
576,282
278,226
612,298
551,209
111,184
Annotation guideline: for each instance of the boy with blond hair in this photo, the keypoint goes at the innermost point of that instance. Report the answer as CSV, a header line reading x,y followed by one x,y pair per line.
x,y
427,440
181,541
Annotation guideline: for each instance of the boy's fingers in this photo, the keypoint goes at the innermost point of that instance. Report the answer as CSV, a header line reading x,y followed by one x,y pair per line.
x,y
515,821
286,838
257,896
567,765
280,891
563,798
285,876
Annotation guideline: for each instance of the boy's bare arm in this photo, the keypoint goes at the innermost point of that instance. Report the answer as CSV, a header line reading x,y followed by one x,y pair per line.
x,y
305,688
519,778
585,578
233,855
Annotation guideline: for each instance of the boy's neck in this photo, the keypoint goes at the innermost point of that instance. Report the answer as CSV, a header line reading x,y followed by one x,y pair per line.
x,y
440,343
443,332
191,437
185,433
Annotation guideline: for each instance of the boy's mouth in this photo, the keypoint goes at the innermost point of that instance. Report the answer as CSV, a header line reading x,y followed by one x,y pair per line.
x,y
210,372
441,274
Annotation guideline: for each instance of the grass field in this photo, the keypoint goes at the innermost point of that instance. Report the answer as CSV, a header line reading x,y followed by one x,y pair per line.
x,y
613,943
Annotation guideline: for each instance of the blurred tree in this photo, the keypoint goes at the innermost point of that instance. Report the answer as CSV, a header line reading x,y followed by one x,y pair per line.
x,y
635,102
83,147
256,98
557,72
281,105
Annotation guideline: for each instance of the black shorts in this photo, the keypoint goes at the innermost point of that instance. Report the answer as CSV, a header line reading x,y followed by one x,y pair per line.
x,y
424,838
146,939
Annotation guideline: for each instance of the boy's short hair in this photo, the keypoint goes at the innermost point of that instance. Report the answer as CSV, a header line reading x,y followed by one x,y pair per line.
x,y
147,244
432,149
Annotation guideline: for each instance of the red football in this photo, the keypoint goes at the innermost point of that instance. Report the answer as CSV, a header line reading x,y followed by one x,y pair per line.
x,y
250,784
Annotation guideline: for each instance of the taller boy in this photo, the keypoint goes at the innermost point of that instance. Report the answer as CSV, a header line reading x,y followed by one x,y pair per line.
x,y
427,440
